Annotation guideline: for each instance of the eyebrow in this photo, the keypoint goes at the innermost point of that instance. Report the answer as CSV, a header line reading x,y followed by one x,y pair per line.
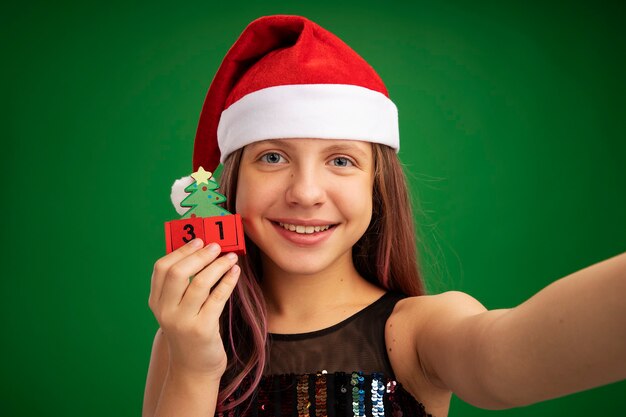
x,y
348,148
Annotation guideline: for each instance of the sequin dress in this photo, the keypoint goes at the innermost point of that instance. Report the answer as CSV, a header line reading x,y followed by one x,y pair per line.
x,y
340,371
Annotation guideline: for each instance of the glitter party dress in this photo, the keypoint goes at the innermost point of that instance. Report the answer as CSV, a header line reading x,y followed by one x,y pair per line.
x,y
340,371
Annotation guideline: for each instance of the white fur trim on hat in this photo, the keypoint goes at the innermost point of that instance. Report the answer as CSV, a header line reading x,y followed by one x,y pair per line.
x,y
178,193
324,111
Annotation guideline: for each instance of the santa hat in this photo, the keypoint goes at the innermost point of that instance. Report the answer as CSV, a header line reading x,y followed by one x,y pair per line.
x,y
287,77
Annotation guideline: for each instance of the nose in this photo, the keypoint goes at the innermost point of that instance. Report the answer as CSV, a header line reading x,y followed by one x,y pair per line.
x,y
306,187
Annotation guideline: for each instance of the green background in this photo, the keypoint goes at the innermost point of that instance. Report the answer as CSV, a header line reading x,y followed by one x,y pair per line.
x,y
512,119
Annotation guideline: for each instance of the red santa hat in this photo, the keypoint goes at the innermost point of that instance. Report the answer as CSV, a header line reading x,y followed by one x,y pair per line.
x,y
287,77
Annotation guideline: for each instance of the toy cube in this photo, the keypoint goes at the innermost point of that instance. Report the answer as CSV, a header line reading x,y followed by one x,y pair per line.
x,y
179,232
230,225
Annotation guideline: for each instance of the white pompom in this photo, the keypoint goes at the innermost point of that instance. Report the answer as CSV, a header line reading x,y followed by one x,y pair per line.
x,y
178,193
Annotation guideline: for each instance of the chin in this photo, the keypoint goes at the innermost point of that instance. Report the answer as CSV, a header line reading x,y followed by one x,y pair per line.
x,y
301,268
307,264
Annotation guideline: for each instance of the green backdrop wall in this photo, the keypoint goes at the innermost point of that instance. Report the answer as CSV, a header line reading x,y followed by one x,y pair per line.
x,y
512,119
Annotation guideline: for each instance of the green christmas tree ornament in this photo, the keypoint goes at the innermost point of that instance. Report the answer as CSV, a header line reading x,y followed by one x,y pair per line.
x,y
200,198
203,200
195,199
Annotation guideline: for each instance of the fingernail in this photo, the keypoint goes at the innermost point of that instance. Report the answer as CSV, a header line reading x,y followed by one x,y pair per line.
x,y
214,247
196,243
231,256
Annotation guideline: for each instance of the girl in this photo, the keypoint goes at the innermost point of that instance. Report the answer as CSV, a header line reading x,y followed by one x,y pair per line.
x,y
326,315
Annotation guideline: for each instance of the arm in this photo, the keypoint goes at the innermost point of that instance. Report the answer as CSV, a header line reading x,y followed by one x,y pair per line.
x,y
569,337
188,357
170,394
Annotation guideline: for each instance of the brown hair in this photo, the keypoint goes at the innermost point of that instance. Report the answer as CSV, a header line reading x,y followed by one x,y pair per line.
x,y
386,255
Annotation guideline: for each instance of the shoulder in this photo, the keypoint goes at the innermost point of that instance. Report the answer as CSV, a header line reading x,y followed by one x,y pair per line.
x,y
415,325
413,314
452,301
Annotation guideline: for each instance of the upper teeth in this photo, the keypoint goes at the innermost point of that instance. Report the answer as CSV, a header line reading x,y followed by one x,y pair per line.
x,y
303,229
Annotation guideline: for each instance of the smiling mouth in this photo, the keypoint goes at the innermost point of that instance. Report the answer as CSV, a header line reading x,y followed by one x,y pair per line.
x,y
304,230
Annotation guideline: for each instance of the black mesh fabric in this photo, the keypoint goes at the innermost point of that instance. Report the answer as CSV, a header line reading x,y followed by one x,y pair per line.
x,y
356,343
340,371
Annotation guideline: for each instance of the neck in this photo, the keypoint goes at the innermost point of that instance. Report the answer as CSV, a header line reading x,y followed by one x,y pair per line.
x,y
302,298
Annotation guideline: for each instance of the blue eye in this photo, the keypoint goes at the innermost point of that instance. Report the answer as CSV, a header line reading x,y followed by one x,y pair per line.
x,y
342,162
272,158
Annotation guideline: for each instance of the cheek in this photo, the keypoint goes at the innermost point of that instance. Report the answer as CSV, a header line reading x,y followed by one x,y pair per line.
x,y
247,202
247,207
366,211
367,203
357,205
255,196
241,199
245,185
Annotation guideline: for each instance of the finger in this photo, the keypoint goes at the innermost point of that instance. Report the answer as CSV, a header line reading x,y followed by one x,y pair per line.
x,y
199,289
177,278
162,266
214,305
